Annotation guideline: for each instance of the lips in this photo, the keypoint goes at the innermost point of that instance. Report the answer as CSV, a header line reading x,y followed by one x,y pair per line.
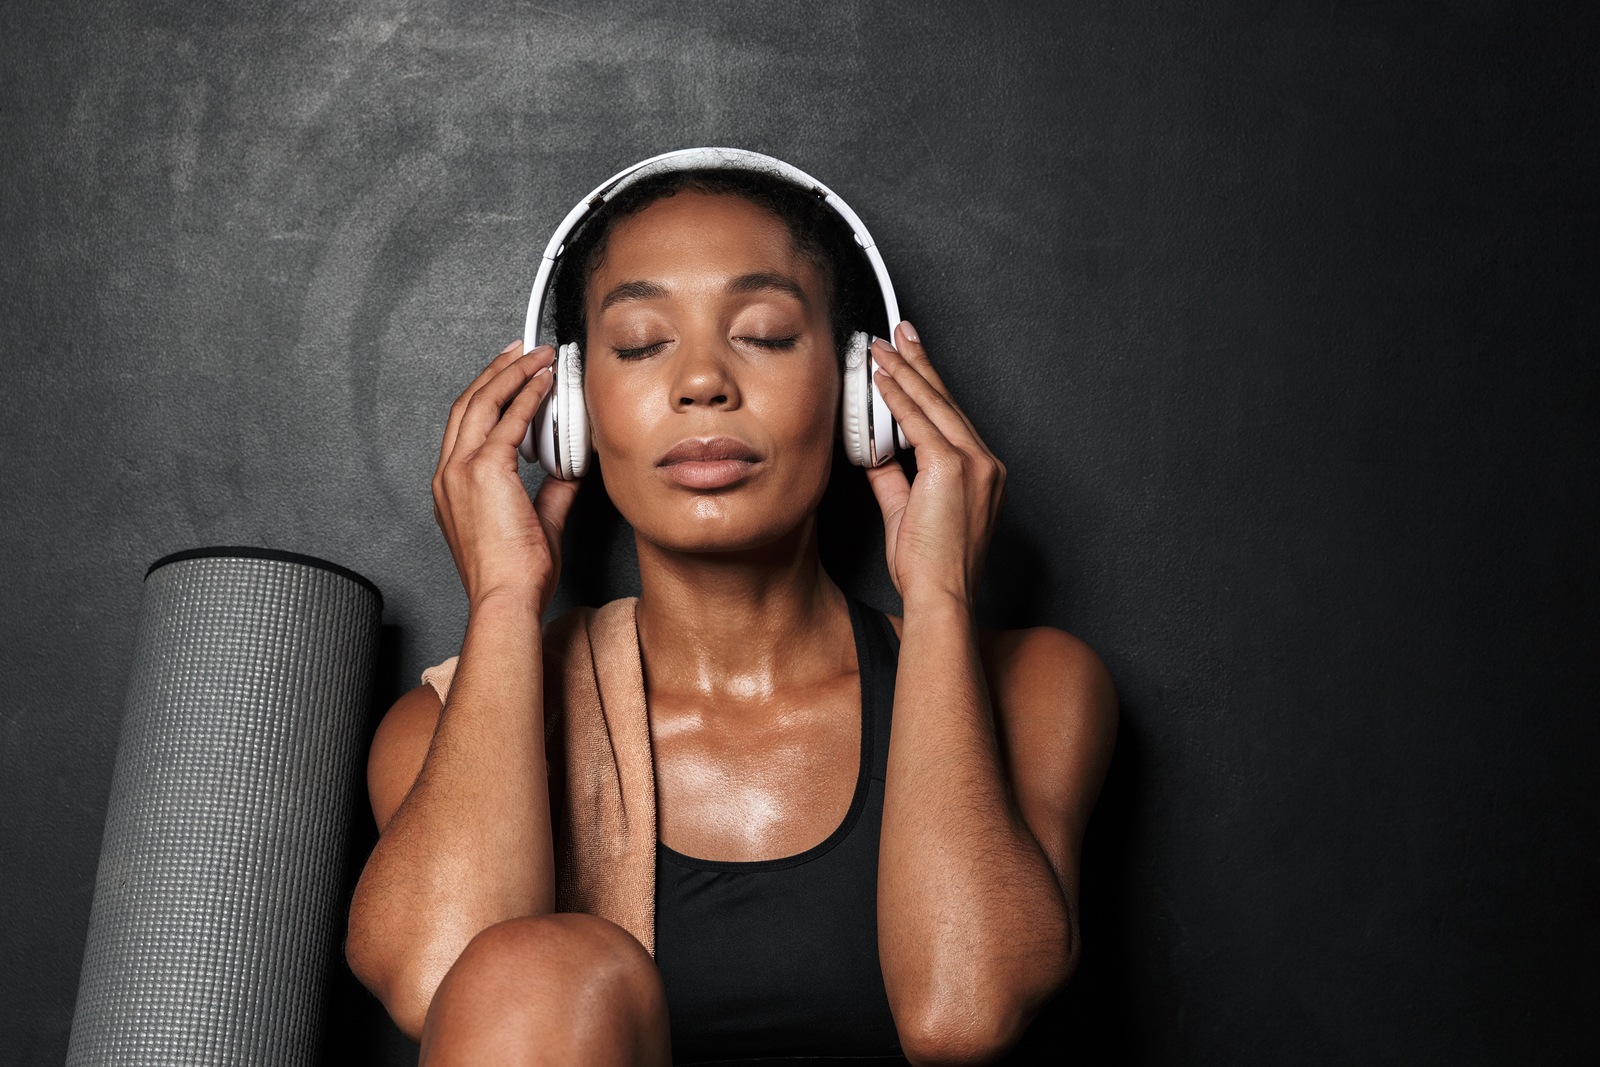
x,y
708,450
709,462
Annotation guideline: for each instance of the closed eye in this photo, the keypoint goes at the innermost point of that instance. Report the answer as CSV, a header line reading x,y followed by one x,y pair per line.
x,y
775,343
643,350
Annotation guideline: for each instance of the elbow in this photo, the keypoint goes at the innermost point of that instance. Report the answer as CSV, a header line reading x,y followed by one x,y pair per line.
x,y
409,1009
980,1023
388,973
399,990
968,1034
965,1029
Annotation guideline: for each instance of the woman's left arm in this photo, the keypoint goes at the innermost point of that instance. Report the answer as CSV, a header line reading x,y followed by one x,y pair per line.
x,y
990,778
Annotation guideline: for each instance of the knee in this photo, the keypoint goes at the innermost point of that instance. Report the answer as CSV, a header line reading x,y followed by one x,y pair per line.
x,y
558,965
576,946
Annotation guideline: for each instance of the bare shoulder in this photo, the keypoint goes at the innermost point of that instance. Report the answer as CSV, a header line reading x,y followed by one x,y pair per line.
x,y
398,749
1055,718
401,743
1044,672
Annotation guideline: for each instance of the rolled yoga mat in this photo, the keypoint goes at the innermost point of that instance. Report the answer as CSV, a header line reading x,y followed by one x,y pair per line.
x,y
217,908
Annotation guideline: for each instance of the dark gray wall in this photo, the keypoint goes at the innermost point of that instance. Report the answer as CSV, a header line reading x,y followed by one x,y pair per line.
x,y
1282,314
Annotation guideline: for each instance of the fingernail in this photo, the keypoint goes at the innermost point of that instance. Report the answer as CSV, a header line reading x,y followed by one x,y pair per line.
x,y
509,347
910,331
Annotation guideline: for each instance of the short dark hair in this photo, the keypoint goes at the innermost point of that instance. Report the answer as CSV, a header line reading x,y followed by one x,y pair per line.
x,y
818,232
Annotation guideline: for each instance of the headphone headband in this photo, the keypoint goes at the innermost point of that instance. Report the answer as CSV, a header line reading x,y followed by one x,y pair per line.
x,y
696,159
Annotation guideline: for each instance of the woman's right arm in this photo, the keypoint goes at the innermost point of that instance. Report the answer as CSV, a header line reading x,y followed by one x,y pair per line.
x,y
459,791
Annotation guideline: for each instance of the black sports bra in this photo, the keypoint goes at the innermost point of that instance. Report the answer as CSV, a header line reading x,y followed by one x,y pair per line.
x,y
778,959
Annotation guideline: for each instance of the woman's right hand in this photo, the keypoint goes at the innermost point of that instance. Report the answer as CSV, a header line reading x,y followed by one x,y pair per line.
x,y
503,543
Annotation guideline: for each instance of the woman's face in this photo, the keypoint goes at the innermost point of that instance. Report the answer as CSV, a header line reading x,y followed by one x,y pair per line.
x,y
710,374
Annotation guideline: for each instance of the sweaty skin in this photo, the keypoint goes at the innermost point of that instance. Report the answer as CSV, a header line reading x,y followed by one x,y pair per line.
x,y
713,389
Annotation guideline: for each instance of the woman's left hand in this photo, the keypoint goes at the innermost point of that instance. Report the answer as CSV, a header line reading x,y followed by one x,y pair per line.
x,y
936,528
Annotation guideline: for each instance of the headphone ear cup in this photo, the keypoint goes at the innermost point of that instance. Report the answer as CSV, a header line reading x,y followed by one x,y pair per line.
x,y
869,429
855,401
573,442
559,434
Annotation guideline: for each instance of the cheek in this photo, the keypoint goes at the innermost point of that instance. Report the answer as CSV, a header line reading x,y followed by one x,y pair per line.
x,y
617,417
811,400
830,394
618,436
804,418
620,442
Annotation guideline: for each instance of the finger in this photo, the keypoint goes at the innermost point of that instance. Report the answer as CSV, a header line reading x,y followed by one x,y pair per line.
x,y
553,503
484,408
920,430
912,360
910,351
506,356
909,346
892,489
459,405
923,383
935,405
487,407
515,419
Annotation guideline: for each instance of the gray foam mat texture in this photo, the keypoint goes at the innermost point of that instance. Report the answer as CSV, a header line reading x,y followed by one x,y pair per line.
x,y
217,907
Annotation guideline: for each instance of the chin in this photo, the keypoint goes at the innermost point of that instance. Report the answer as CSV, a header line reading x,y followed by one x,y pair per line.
x,y
721,522
712,525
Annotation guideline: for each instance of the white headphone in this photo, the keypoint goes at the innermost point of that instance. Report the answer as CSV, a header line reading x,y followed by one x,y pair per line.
x,y
559,434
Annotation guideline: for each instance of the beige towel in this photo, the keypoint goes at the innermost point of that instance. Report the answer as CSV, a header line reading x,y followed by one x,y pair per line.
x,y
602,772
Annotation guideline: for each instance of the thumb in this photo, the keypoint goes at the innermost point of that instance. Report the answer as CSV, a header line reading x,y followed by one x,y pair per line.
x,y
553,503
890,487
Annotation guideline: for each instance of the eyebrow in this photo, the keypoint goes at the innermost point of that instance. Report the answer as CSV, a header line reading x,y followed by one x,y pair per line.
x,y
768,282
632,291
757,282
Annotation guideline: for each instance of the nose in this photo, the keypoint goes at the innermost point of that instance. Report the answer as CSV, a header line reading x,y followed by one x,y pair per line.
x,y
703,378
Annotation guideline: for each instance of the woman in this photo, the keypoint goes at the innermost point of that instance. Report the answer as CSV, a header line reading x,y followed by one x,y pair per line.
x,y
824,887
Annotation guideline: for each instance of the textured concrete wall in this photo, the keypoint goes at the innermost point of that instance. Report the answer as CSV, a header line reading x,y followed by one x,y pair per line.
x,y
1281,314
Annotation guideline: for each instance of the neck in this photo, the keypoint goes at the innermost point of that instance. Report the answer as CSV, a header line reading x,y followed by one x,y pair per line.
x,y
740,625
